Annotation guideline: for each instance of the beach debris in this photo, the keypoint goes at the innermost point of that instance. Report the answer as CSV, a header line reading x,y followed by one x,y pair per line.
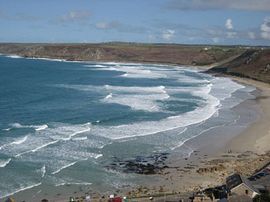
x,y
44,200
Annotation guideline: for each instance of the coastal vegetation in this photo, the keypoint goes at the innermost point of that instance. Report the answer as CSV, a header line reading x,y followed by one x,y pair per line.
x,y
243,61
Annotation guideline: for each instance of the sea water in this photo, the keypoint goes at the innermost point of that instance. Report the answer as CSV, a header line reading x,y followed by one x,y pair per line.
x,y
62,122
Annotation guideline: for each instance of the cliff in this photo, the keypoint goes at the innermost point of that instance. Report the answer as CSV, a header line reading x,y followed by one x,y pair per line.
x,y
252,62
125,52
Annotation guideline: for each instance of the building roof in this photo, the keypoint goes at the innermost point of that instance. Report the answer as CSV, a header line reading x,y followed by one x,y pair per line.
x,y
235,180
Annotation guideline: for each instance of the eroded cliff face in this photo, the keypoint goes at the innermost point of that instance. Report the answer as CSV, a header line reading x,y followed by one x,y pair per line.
x,y
174,54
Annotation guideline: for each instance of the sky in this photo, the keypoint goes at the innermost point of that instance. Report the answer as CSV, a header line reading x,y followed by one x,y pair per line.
x,y
228,22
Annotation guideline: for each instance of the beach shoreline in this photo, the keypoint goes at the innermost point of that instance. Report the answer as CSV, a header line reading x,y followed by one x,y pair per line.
x,y
209,167
185,171
244,153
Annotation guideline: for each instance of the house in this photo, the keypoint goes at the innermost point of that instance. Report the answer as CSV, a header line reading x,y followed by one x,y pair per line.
x,y
201,197
237,185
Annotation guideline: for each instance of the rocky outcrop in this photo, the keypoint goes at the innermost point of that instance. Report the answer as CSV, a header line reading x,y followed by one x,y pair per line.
x,y
146,165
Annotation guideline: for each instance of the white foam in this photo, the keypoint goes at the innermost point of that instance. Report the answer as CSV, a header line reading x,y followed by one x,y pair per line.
x,y
36,127
4,163
136,97
44,145
16,125
19,141
13,56
133,71
96,65
198,115
108,96
37,148
39,140
66,166
42,127
79,138
47,59
68,136
73,183
139,102
43,171
83,158
98,156
20,189
223,88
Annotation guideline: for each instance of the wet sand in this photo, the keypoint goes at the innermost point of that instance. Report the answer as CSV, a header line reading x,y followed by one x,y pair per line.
x,y
220,155
217,155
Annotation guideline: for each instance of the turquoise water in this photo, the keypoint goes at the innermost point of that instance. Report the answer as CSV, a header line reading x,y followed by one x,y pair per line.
x,y
63,122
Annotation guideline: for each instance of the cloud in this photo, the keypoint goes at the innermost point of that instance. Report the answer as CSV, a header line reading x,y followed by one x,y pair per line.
x,y
251,35
168,34
215,39
120,27
151,37
265,29
26,17
18,17
108,25
231,35
229,24
75,16
253,5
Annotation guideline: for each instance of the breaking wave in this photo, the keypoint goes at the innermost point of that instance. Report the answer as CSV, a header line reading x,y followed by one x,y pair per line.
x,y
13,56
19,141
20,189
36,127
132,71
166,100
4,163
43,171
66,166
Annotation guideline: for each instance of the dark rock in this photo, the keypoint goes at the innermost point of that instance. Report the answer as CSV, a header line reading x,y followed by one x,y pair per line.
x,y
146,165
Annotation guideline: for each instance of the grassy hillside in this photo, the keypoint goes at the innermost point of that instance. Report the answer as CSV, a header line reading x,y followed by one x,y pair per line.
x,y
253,63
125,52
233,60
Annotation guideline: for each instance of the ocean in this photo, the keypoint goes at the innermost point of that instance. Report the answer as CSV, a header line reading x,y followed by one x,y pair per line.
x,y
62,123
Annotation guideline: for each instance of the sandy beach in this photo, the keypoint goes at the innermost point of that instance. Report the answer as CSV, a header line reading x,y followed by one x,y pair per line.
x,y
257,136
244,152
215,154
135,101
